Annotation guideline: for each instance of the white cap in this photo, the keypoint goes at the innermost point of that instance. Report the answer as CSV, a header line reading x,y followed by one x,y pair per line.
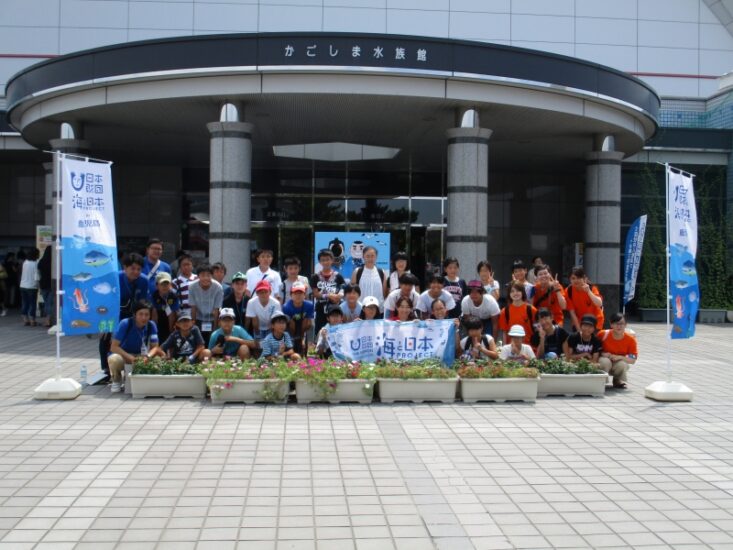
x,y
370,301
517,330
227,312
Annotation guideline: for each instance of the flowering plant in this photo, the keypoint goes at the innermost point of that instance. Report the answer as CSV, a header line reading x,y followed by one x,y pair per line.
x,y
222,373
324,374
563,366
159,365
410,370
470,368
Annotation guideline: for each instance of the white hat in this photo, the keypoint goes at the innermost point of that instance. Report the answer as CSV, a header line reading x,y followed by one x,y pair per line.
x,y
517,330
370,301
227,312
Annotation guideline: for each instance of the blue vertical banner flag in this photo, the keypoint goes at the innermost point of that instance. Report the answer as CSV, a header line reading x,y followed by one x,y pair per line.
x,y
682,227
89,277
632,256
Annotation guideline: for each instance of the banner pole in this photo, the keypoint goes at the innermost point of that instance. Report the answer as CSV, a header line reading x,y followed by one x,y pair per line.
x,y
667,251
57,182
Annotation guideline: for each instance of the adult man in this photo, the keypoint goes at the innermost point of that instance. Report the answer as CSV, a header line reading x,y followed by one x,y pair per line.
x,y
619,350
260,309
408,282
434,292
229,339
481,305
550,338
135,336
549,293
237,299
205,296
153,264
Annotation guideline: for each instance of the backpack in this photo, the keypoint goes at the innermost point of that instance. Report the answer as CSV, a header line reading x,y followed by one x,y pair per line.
x,y
360,271
484,341
529,317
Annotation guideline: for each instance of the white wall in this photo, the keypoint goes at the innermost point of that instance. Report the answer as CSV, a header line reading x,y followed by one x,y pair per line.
x,y
661,37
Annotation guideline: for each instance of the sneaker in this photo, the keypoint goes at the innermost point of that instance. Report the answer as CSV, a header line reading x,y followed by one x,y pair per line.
x,y
116,387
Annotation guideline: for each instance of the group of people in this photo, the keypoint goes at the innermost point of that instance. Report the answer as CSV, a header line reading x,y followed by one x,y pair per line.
x,y
23,277
194,314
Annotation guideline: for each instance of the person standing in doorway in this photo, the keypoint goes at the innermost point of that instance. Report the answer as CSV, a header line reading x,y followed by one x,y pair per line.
x,y
371,280
29,288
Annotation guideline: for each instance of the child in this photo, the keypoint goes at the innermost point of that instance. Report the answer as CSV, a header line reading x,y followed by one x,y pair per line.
x,y
351,307
399,261
335,317
263,272
518,312
370,308
165,305
584,344
327,287
434,292
292,270
481,305
278,342
519,275
476,345
229,339
486,274
516,350
185,277
454,284
260,310
408,282
583,298
185,342
301,313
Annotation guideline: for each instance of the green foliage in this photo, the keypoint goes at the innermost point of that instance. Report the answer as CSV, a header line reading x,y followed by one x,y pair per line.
x,y
563,366
651,289
409,370
158,365
222,374
494,369
324,374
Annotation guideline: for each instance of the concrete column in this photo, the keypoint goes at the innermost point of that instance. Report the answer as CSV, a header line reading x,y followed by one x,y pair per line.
x,y
230,194
50,194
602,255
468,193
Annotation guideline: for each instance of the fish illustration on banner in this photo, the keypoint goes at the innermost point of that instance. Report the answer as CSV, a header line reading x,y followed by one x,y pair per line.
x,y
89,279
683,284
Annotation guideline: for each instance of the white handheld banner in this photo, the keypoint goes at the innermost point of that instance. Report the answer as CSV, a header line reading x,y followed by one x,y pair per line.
x,y
89,275
371,341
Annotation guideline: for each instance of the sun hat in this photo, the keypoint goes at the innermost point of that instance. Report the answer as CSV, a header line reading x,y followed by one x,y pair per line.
x,y
517,330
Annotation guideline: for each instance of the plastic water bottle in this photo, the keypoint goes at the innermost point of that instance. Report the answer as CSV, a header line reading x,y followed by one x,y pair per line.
x,y
83,375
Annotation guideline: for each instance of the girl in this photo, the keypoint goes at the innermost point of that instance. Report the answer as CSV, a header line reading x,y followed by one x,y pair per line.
x,y
400,267
403,310
517,312
583,298
486,274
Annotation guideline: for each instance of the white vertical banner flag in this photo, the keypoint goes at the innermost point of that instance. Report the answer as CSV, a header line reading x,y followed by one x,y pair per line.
x,y
89,275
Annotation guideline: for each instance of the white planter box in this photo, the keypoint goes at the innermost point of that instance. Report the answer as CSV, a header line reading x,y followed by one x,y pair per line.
x,y
354,391
498,389
418,390
168,386
572,384
249,391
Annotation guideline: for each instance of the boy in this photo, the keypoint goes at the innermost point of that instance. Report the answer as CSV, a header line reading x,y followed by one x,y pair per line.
x,y
550,338
351,307
185,342
301,313
476,345
260,309
292,272
278,343
408,282
185,277
335,317
205,296
219,272
454,285
327,287
237,299
165,305
136,336
434,292
584,344
229,339
263,272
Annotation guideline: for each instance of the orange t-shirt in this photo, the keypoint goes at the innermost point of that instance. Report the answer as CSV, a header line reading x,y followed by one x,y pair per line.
x,y
548,299
625,346
518,316
579,302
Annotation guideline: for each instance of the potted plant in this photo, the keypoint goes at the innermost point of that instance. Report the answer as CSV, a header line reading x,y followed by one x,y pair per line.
x,y
427,380
158,377
333,381
232,380
485,380
570,378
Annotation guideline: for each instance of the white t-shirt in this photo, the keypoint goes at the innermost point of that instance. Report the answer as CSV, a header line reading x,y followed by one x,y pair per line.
x,y
492,288
394,281
371,285
486,340
389,303
487,309
255,275
28,274
263,313
506,352
425,303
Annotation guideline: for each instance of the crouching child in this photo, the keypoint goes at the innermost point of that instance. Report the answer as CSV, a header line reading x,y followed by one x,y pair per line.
x,y
278,343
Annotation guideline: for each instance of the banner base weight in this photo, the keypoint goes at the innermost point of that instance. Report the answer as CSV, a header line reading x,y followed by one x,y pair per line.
x,y
61,388
668,391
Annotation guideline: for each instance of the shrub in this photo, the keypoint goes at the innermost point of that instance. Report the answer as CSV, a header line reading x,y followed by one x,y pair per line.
x,y
494,369
158,365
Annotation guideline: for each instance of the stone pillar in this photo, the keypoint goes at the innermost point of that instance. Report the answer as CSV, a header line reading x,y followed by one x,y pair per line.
x,y
50,194
468,193
602,254
230,194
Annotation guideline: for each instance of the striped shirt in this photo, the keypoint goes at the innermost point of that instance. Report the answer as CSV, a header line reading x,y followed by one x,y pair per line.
x,y
180,285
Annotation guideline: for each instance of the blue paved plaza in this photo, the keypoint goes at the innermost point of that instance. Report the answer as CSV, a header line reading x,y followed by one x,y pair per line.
x,y
107,472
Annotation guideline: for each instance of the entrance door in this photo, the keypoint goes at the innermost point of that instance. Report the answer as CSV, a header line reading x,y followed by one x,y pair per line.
x,y
426,252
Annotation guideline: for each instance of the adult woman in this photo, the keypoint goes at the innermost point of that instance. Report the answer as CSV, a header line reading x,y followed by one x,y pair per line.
x,y
404,311
517,312
583,298
370,278
29,288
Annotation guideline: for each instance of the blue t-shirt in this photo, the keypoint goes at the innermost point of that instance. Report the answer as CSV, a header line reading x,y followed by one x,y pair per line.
x,y
148,265
230,348
306,311
132,337
131,292
271,345
350,315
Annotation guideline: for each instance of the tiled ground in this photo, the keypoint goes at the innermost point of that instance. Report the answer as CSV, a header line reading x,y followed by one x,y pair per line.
x,y
105,472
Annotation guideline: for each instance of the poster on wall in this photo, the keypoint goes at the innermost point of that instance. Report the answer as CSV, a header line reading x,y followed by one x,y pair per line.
x,y
44,237
89,277
348,248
